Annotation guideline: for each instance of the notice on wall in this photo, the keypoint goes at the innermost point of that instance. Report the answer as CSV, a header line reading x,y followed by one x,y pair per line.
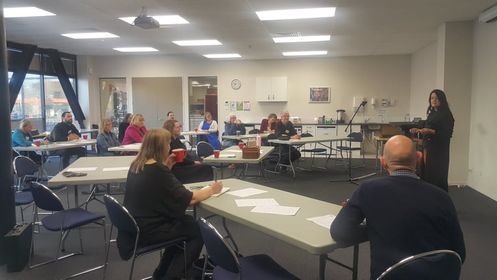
x,y
239,105
232,106
246,105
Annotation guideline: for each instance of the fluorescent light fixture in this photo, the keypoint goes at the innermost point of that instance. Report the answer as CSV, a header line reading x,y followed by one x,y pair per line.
x,y
302,39
90,35
197,43
25,12
222,55
136,49
163,20
303,53
296,13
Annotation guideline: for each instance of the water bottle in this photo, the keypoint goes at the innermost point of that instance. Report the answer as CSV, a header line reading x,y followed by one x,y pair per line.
x,y
258,140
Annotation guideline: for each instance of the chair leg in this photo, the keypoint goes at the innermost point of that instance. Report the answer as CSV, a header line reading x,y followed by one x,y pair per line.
x,y
132,267
80,240
204,267
107,250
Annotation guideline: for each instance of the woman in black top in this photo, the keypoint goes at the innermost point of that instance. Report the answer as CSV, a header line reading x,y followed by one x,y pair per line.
x,y
157,201
437,132
123,126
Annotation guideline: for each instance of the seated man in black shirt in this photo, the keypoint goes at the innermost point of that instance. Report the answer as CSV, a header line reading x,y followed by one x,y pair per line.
x,y
190,170
403,215
66,131
285,129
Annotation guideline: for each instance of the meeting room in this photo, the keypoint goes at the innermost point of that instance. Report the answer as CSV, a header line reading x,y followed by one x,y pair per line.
x,y
248,139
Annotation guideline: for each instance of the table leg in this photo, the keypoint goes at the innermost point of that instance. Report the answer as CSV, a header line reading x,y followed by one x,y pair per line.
x,y
322,266
76,196
290,159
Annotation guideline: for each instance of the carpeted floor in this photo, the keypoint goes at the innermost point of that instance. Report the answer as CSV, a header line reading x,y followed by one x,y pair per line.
x,y
477,213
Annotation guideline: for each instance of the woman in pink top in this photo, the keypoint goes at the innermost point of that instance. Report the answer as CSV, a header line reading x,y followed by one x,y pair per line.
x,y
135,131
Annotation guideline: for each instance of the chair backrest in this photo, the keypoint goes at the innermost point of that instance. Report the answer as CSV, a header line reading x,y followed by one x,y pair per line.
x,y
120,216
438,264
217,248
204,149
24,166
356,136
253,131
306,134
45,198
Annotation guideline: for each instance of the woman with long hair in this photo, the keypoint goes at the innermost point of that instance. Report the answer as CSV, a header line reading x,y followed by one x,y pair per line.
x,y
158,201
124,125
106,138
436,132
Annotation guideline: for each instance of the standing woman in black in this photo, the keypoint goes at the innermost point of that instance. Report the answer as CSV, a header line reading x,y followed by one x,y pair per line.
x,y
437,132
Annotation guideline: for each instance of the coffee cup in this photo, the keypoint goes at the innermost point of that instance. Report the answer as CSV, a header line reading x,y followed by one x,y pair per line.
x,y
85,136
241,145
216,153
37,143
180,154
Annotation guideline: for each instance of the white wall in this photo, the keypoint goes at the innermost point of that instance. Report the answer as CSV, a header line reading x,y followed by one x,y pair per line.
x,y
379,76
483,133
423,79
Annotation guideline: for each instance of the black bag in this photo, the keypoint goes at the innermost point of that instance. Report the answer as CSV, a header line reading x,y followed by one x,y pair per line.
x,y
284,137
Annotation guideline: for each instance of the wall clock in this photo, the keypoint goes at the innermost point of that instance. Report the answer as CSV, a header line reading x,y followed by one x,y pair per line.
x,y
236,84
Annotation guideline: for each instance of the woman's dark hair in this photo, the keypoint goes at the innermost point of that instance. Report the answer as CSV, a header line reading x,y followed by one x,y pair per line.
x,y
444,105
127,117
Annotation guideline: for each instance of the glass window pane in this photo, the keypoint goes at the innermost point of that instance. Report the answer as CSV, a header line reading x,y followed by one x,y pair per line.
x,y
28,102
55,101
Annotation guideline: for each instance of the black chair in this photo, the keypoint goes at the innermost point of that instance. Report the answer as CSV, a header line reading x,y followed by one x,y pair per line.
x,y
63,221
432,265
229,265
124,222
356,137
253,131
313,151
204,149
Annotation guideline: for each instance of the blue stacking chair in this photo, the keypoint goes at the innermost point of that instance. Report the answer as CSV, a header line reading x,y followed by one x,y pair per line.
x,y
123,221
63,221
204,149
432,265
231,266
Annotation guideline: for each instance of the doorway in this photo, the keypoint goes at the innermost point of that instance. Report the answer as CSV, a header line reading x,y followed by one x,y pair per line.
x,y
202,97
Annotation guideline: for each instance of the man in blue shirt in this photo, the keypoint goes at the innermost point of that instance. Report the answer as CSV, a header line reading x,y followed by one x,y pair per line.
x,y
400,214
233,127
22,138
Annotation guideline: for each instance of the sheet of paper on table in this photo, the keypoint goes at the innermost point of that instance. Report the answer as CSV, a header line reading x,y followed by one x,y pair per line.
x,y
255,202
124,168
227,156
246,192
276,209
223,190
324,221
80,169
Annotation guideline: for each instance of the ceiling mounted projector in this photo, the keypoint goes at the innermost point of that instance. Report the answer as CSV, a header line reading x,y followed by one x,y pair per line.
x,y
489,15
146,22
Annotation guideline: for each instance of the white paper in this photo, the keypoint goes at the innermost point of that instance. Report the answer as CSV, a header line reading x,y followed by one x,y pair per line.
x,y
80,169
276,209
65,144
324,221
227,156
246,192
124,168
256,202
223,190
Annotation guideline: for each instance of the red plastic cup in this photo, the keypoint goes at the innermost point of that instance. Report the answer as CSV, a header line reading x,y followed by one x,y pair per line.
x,y
37,143
241,145
85,136
180,154
216,153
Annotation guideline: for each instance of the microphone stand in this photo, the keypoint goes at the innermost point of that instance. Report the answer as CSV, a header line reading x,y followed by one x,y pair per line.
x,y
351,179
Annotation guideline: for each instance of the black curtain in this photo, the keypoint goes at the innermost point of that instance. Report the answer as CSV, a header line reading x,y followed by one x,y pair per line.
x,y
21,66
7,206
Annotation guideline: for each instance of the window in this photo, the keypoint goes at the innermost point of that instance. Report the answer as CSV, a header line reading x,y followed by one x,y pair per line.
x,y
41,97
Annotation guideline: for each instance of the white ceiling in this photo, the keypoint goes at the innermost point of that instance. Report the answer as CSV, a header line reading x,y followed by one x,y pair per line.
x,y
360,27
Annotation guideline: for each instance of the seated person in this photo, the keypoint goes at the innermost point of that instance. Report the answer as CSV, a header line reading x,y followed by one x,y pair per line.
x,y
190,170
158,201
124,125
269,124
66,131
22,138
404,215
208,124
106,139
135,131
285,129
233,127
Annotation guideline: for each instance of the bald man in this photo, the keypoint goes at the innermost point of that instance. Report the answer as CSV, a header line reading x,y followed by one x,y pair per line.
x,y
400,214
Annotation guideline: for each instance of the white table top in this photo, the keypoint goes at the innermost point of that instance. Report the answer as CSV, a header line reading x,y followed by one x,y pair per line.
x,y
98,176
306,140
237,152
244,136
198,132
126,148
295,230
58,145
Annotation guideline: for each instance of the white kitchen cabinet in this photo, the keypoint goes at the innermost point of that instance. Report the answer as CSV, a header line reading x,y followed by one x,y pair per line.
x,y
271,89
